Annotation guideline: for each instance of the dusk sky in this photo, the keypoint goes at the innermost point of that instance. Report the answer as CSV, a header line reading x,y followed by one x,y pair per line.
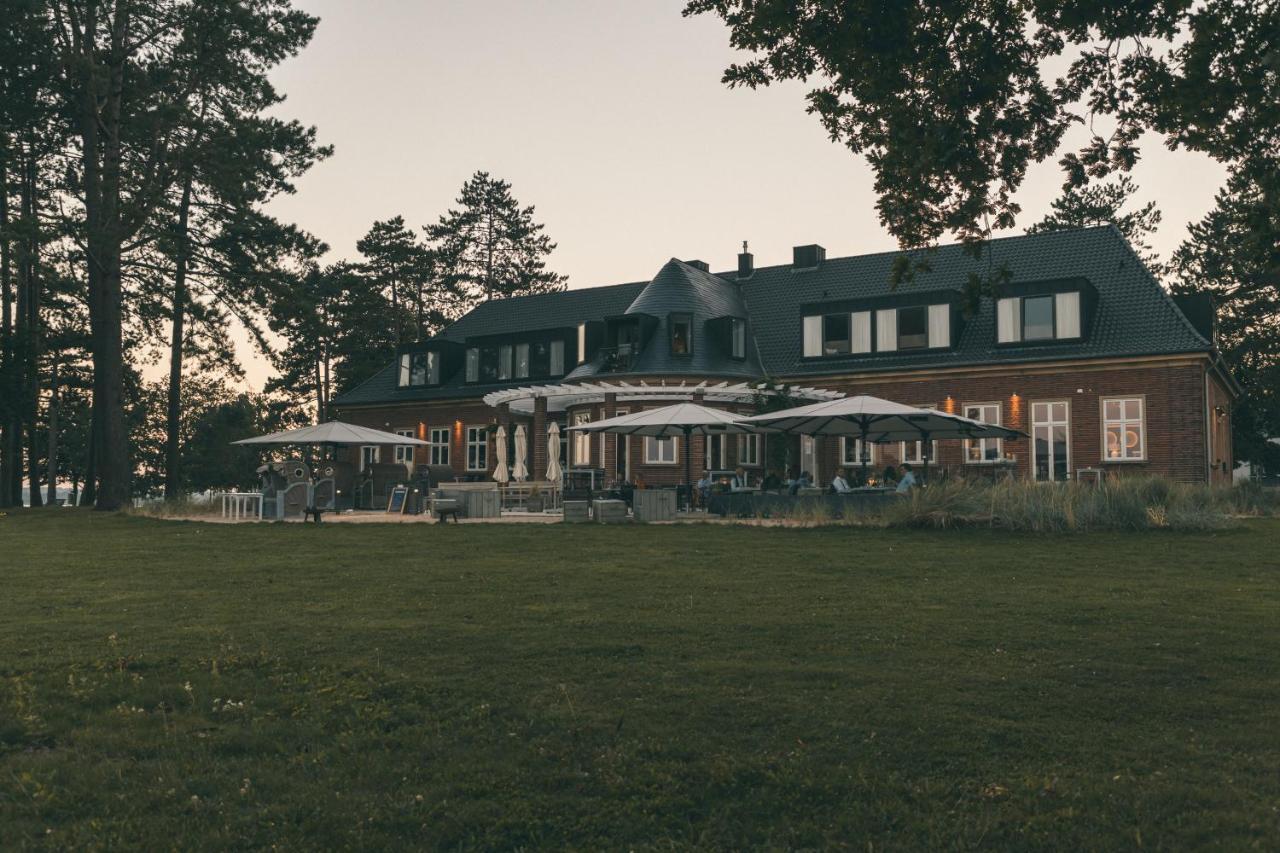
x,y
611,119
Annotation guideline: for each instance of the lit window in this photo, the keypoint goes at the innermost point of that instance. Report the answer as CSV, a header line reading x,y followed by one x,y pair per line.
x,y
477,448
660,451
1124,429
404,452
749,450
983,449
681,334
439,438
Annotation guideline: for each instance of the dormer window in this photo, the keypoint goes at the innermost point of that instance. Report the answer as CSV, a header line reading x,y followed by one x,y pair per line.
x,y
891,329
913,327
418,369
738,338
1038,317
681,334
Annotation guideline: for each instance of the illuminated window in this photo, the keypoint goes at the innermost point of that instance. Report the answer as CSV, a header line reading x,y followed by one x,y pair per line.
x,y
980,450
581,440
1124,429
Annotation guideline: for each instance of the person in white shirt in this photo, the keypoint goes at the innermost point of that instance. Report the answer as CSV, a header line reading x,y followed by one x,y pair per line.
x,y
739,481
908,479
840,484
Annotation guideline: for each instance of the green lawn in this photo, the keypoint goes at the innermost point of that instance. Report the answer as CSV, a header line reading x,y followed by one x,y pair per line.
x,y
179,685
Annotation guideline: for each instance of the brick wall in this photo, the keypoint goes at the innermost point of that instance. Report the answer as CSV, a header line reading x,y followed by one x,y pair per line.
x,y
1174,395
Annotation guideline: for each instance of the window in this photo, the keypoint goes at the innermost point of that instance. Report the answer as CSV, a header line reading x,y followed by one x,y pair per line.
x,y
749,450
1124,429
419,368
369,455
556,359
477,448
1042,317
473,365
886,330
581,440
404,452
910,451
983,449
738,338
913,327
439,450
851,452
522,361
1050,440
716,457
659,451
1037,318
681,334
862,331
582,344
488,364
835,334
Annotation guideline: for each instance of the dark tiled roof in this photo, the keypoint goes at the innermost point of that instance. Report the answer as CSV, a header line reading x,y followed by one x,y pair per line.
x,y
679,288
1134,315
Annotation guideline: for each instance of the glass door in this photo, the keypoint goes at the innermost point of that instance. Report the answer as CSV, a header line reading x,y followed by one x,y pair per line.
x,y
1051,440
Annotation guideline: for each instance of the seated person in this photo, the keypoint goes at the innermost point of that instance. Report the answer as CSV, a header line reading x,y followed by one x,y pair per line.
x,y
704,487
739,482
908,479
890,475
840,483
772,482
803,481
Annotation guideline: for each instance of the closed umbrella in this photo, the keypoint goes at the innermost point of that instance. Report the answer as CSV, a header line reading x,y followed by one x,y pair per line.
x,y
519,471
678,419
872,419
500,455
554,472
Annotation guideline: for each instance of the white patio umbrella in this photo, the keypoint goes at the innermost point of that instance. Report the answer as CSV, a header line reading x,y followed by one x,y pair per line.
x,y
554,471
333,432
873,419
519,472
500,456
678,419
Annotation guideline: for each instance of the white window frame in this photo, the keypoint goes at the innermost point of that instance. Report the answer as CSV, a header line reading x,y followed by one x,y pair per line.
x,y
440,449
367,458
983,443
1050,423
848,442
916,457
477,447
1124,422
404,452
652,445
749,451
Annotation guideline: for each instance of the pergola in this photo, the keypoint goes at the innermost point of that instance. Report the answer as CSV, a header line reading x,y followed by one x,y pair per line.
x,y
561,396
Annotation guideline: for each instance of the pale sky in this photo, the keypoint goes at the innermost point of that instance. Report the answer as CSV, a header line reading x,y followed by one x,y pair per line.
x,y
609,117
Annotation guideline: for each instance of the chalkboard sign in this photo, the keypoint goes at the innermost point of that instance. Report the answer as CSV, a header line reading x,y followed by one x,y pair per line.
x,y
396,502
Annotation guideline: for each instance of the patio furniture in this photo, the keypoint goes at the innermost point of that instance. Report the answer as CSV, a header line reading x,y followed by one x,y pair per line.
x,y
654,505
576,512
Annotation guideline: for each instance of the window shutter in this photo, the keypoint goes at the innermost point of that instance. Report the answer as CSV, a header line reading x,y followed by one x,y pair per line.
x,y
1066,311
939,325
1007,320
887,329
862,331
812,336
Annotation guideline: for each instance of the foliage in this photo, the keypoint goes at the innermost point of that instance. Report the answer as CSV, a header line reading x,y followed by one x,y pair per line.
x,y
403,269
179,685
1103,204
489,247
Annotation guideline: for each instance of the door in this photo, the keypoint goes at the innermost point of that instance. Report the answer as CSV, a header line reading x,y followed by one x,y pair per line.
x,y
1051,440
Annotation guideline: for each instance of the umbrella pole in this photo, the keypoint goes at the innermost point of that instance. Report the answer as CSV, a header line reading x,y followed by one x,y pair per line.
x,y
688,451
866,451
924,454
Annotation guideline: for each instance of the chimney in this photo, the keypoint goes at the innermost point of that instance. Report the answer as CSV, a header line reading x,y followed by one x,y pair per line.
x,y
746,263
702,265
807,257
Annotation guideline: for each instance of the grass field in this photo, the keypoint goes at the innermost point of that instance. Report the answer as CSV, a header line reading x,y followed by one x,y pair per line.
x,y
178,685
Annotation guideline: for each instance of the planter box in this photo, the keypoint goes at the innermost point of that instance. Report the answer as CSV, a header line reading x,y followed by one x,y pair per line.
x,y
654,504
610,512
482,504
576,512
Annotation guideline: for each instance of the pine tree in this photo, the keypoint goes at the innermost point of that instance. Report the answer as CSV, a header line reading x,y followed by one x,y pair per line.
x,y
490,247
402,269
1102,204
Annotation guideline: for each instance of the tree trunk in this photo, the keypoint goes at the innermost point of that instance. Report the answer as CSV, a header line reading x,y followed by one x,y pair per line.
x,y
172,454
53,433
10,485
31,339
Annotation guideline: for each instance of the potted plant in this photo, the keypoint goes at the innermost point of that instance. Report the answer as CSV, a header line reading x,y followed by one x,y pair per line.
x,y
535,502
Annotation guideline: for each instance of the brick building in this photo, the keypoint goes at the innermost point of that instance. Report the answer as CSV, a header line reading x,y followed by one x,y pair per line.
x,y
1080,348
